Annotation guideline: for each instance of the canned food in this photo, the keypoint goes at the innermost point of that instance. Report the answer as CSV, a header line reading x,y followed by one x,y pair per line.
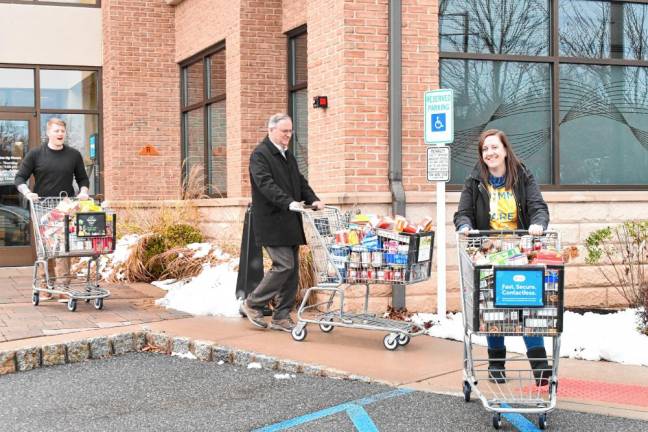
x,y
397,275
355,257
377,259
365,257
508,244
526,243
353,275
389,274
380,274
353,237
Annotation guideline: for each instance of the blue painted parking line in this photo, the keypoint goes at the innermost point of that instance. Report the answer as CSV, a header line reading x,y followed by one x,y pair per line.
x,y
354,410
520,422
361,419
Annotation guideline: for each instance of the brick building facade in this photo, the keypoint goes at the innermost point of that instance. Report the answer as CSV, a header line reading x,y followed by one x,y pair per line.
x,y
147,46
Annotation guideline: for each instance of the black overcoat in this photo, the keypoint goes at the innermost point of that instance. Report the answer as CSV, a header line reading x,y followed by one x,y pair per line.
x,y
474,203
276,182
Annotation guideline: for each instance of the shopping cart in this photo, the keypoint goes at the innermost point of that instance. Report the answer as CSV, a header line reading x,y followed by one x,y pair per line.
x,y
340,259
62,231
501,295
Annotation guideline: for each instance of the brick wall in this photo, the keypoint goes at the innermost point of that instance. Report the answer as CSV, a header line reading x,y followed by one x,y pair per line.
x,y
420,73
140,102
200,24
263,76
366,59
293,14
348,142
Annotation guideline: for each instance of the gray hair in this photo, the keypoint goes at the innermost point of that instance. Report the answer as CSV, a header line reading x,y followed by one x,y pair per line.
x,y
276,118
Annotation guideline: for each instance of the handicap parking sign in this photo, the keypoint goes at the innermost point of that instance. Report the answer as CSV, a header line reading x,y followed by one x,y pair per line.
x,y
439,117
438,122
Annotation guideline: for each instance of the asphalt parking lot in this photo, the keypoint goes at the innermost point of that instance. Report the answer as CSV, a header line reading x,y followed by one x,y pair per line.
x,y
152,392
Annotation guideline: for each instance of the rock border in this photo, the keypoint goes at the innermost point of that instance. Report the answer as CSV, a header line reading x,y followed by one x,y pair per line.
x,y
104,347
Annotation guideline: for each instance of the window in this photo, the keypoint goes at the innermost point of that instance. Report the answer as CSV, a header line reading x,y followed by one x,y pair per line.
x,y
204,137
70,94
298,98
16,87
567,80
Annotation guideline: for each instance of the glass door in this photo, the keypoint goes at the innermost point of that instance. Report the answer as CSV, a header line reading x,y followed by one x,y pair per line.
x,y
16,136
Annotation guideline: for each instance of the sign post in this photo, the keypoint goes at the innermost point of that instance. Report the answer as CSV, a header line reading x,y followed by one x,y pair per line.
x,y
439,130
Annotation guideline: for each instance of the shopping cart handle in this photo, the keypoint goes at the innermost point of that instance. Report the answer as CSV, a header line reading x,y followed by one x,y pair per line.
x,y
303,208
473,232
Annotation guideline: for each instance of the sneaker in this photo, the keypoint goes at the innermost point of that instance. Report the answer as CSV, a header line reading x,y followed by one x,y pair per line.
x,y
253,315
286,324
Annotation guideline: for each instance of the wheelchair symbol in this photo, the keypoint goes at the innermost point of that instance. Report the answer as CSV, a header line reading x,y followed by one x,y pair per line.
x,y
438,122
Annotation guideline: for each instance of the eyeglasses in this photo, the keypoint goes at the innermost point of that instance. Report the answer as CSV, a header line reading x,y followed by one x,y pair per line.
x,y
286,131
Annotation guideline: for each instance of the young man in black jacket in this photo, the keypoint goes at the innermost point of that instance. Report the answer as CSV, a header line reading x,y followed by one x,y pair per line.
x,y
54,166
277,188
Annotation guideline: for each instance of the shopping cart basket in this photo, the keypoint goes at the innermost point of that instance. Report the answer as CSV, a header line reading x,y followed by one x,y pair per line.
x,y
62,231
340,259
504,295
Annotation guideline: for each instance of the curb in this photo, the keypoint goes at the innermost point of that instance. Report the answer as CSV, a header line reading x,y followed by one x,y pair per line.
x,y
104,347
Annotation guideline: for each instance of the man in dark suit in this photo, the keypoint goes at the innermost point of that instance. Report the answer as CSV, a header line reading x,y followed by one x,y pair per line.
x,y
277,188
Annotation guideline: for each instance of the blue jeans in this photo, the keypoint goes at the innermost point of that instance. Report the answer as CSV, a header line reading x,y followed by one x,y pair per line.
x,y
495,342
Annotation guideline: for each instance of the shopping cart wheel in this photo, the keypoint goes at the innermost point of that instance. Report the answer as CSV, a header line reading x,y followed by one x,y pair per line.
x,y
542,421
497,420
98,303
326,328
403,339
466,391
391,341
299,333
35,298
71,305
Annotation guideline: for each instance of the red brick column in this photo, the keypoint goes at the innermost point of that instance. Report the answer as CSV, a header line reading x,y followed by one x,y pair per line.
x,y
263,78
140,101
420,73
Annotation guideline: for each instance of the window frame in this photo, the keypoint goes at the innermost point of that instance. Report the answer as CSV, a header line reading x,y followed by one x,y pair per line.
x,y
554,59
294,85
201,56
37,111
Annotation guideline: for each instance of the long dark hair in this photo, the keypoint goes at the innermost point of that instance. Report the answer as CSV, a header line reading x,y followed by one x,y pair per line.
x,y
513,165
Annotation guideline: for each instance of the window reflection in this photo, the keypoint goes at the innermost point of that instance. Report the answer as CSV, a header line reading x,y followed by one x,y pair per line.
x,y
16,87
218,150
603,29
495,27
217,74
300,126
193,83
68,89
299,69
82,134
603,124
511,96
195,147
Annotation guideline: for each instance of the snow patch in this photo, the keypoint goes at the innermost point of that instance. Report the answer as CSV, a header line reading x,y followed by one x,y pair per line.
x,y
610,337
187,355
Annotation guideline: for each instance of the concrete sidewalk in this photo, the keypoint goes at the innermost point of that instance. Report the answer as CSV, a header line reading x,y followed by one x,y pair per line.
x,y
427,364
